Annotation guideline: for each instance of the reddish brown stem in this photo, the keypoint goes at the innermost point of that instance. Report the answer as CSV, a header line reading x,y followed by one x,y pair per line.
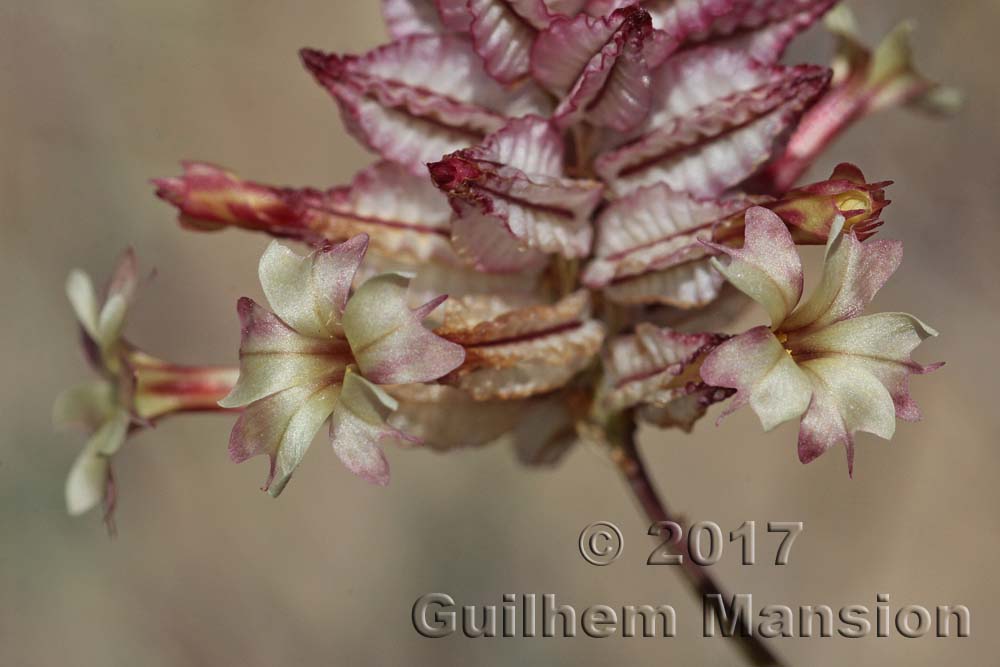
x,y
701,582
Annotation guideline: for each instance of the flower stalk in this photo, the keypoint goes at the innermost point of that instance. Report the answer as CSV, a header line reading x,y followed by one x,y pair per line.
x,y
625,454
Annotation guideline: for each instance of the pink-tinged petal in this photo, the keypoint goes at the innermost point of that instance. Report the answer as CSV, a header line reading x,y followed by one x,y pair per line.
x,y
503,31
515,179
404,215
210,198
763,374
767,268
308,292
688,284
653,228
640,368
446,418
715,120
524,352
274,357
420,97
412,17
387,338
846,398
359,426
601,67
882,344
282,427
852,274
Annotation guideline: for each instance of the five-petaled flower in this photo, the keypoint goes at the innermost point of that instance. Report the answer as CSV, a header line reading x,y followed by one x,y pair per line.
x,y
322,353
820,360
133,390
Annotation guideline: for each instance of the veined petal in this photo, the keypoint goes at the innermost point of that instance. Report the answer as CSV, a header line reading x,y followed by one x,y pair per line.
x,y
515,179
282,426
715,119
652,228
767,268
852,274
527,351
846,398
359,425
763,374
420,97
600,66
274,357
387,338
638,367
309,292
881,343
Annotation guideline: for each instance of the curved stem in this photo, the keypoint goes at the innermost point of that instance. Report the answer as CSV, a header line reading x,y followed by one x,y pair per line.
x,y
626,456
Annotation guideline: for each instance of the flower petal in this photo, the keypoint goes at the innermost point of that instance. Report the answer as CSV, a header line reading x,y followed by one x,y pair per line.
x,y
715,119
638,367
84,406
83,299
846,398
282,426
763,374
274,357
526,351
600,66
309,292
767,268
420,97
881,343
852,274
387,339
516,179
359,425
87,482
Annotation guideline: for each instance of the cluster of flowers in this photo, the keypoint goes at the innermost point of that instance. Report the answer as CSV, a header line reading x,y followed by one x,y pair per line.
x,y
581,178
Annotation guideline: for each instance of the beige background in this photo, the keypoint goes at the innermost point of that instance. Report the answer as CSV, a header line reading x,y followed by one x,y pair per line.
x,y
99,96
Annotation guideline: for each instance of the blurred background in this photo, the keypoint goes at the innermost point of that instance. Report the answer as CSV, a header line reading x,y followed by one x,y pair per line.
x,y
101,96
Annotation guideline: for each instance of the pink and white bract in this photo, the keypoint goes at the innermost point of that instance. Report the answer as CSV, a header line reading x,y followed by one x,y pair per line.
x,y
569,173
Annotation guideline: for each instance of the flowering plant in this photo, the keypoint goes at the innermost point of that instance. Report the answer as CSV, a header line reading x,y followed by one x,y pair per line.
x,y
580,179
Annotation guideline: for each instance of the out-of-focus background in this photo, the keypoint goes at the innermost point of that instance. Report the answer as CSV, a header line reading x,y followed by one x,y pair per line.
x,y
98,97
